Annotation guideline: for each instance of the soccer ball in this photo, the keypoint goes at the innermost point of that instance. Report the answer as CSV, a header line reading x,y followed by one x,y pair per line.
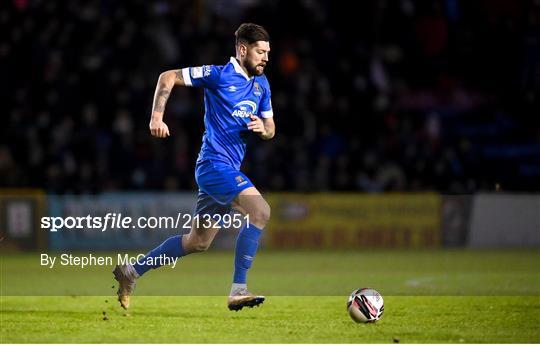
x,y
365,305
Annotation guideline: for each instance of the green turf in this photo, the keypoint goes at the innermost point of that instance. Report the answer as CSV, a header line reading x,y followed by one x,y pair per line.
x,y
283,319
430,296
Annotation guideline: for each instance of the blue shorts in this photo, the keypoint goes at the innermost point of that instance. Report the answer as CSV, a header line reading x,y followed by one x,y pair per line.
x,y
219,184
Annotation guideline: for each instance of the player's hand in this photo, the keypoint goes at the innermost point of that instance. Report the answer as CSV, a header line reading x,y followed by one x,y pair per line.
x,y
159,129
256,125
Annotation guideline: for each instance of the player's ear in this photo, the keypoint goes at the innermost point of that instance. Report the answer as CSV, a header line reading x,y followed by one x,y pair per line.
x,y
243,49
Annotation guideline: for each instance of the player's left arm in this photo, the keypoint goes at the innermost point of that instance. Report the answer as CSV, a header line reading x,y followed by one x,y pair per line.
x,y
265,127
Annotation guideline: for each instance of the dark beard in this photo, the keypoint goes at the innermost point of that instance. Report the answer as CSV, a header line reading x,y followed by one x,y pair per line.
x,y
252,70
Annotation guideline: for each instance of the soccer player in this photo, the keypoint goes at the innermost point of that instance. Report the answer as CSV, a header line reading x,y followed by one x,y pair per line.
x,y
237,101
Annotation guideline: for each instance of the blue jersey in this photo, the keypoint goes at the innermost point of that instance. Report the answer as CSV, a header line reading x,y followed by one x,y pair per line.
x,y
230,97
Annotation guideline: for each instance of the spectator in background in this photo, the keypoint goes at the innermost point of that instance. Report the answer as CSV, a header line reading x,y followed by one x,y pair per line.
x,y
75,83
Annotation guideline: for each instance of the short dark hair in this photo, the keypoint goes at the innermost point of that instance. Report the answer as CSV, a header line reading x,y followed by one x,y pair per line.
x,y
250,33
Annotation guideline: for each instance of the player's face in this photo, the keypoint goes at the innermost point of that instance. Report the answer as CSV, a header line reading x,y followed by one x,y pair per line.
x,y
257,57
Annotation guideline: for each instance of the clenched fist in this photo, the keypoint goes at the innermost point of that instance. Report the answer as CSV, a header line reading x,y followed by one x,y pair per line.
x,y
159,129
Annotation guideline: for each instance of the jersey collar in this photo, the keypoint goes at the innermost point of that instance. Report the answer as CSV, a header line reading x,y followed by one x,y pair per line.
x,y
239,69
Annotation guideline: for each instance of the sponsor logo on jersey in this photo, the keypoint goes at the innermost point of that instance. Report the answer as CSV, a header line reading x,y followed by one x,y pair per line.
x,y
207,70
199,72
232,88
196,72
244,109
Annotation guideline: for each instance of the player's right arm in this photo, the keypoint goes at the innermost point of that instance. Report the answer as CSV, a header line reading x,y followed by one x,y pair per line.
x,y
167,80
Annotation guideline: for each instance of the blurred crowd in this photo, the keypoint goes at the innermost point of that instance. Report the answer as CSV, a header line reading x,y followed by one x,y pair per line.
x,y
389,96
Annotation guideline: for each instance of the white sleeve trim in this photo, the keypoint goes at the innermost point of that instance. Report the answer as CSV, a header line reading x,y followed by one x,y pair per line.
x,y
187,78
267,114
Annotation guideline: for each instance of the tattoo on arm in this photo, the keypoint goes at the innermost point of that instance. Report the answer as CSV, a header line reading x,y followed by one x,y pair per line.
x,y
161,99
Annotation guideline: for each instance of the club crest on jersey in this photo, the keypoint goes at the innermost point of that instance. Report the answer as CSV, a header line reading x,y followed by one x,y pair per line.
x,y
244,109
257,88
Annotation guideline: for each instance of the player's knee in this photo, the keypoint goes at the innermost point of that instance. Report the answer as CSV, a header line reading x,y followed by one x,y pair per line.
x,y
201,246
261,216
194,244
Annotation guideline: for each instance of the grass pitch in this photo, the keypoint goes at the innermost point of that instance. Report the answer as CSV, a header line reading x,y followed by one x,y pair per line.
x,y
430,297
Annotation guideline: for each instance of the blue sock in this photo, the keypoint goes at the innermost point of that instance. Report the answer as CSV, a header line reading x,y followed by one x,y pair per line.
x,y
247,243
171,247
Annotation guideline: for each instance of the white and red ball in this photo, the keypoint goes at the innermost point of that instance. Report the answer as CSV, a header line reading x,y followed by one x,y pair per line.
x,y
365,305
